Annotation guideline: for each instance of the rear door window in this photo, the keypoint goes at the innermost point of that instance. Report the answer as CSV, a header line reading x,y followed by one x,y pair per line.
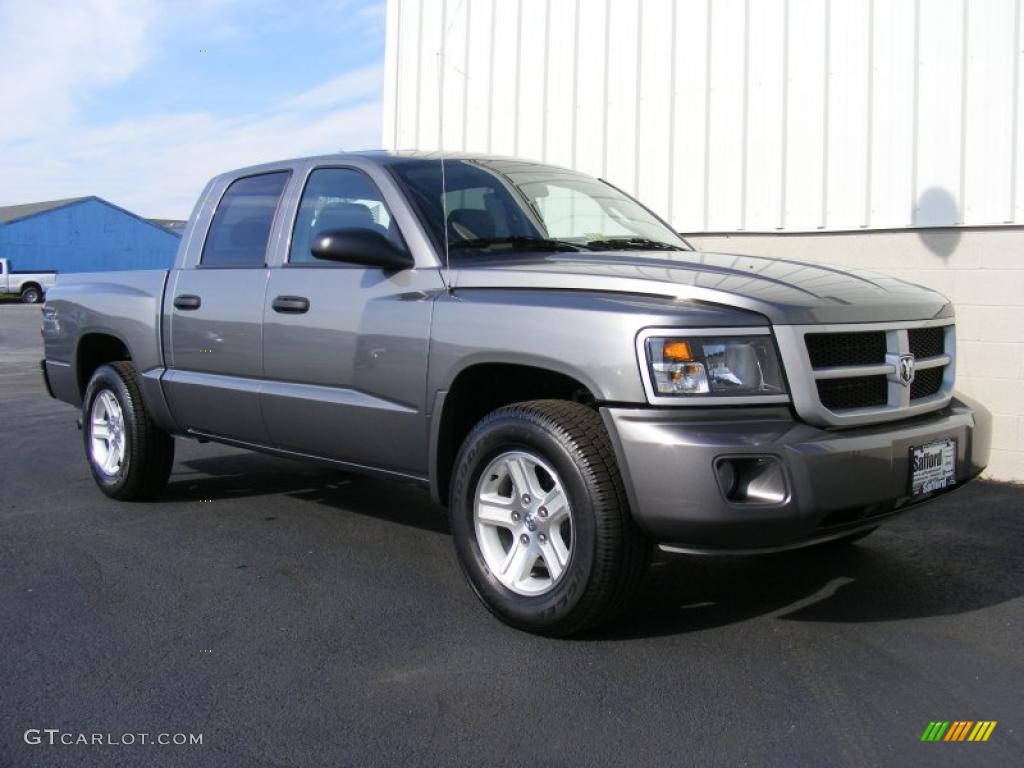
x,y
241,226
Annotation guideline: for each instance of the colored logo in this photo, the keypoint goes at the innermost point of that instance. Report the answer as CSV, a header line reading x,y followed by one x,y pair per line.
x,y
958,730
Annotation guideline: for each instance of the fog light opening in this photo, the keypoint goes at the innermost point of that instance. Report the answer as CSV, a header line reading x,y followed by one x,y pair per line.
x,y
752,479
727,478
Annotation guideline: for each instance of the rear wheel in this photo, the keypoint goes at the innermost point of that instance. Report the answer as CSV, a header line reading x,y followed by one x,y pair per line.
x,y
129,456
31,294
540,520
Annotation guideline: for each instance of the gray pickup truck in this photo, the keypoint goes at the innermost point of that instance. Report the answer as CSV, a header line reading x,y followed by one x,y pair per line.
x,y
566,375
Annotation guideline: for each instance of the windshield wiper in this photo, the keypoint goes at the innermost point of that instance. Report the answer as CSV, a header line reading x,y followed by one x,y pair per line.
x,y
632,243
521,243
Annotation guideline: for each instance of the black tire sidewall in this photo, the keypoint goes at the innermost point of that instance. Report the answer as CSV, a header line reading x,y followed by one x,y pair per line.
x,y
31,296
108,379
496,435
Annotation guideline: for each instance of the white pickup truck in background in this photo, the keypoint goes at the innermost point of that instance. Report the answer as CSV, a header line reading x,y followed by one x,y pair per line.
x,y
30,286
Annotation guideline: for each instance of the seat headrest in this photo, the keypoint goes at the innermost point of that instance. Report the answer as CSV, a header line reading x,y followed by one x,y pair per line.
x,y
345,216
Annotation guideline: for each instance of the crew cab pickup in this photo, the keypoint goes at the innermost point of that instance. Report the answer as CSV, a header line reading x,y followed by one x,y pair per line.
x,y
561,370
30,286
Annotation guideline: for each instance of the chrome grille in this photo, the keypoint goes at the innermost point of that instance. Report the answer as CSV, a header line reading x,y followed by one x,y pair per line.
x,y
850,374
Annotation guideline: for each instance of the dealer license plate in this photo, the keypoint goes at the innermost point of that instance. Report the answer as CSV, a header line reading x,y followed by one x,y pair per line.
x,y
932,466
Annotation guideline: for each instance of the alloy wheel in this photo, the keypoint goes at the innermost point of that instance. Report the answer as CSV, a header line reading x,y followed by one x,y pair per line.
x,y
523,523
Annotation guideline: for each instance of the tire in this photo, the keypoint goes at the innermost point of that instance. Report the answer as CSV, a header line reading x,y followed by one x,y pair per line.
x,y
31,294
600,563
145,451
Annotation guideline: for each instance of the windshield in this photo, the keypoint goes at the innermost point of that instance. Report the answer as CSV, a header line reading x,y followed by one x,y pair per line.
x,y
495,206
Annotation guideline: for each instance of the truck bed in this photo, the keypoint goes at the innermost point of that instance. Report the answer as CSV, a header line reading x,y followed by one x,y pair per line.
x,y
127,305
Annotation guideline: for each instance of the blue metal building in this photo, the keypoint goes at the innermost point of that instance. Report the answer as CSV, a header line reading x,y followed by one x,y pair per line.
x,y
82,234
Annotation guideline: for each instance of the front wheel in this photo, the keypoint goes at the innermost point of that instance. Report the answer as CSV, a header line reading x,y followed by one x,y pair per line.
x,y
129,456
540,520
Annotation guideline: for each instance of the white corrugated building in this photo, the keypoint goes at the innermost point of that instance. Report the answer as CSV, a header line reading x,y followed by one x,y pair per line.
x,y
882,134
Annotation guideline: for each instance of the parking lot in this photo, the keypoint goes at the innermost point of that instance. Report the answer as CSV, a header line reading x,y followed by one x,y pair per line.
x,y
297,616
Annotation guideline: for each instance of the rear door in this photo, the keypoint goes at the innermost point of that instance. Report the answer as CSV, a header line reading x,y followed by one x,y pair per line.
x,y
216,313
345,346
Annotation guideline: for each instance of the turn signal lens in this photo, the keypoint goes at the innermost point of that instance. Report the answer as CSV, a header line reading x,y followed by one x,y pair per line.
x,y
678,351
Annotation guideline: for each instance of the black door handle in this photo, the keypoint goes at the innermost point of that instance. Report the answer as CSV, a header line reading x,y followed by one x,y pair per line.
x,y
187,301
290,305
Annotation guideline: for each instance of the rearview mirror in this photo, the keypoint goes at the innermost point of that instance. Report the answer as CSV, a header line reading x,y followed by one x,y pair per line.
x,y
360,246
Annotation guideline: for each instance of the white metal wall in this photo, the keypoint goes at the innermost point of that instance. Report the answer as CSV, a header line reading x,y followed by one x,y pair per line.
x,y
763,116
732,115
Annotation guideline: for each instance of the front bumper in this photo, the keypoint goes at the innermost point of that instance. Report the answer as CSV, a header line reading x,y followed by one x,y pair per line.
x,y
838,481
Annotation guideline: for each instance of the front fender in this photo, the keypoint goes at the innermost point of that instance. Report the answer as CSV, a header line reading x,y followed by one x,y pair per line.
x,y
588,336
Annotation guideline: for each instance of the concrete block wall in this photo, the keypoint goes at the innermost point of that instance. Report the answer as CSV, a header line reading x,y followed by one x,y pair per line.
x,y
980,269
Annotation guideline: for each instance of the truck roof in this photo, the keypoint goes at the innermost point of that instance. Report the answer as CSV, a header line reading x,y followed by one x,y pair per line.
x,y
388,157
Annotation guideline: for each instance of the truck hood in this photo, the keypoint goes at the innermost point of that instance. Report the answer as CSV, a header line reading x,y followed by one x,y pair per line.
x,y
786,292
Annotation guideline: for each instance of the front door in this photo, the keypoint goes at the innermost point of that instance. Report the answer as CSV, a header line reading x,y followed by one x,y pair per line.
x,y
344,346
216,351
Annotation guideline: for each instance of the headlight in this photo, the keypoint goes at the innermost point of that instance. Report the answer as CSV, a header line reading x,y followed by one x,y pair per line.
x,y
714,365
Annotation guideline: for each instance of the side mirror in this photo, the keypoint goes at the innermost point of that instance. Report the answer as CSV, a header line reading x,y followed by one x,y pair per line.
x,y
360,246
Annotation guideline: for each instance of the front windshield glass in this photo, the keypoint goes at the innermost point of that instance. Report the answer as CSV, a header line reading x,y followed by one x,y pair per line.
x,y
495,206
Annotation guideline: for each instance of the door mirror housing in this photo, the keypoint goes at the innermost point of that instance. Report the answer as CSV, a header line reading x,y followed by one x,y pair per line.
x,y
360,246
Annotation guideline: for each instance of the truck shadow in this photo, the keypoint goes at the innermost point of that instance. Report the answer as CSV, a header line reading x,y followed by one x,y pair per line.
x,y
962,553
246,474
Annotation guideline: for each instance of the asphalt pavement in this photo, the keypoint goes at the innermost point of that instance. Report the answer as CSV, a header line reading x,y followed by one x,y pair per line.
x,y
294,615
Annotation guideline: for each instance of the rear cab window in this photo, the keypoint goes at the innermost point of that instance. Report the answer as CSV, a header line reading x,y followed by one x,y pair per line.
x,y
241,226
